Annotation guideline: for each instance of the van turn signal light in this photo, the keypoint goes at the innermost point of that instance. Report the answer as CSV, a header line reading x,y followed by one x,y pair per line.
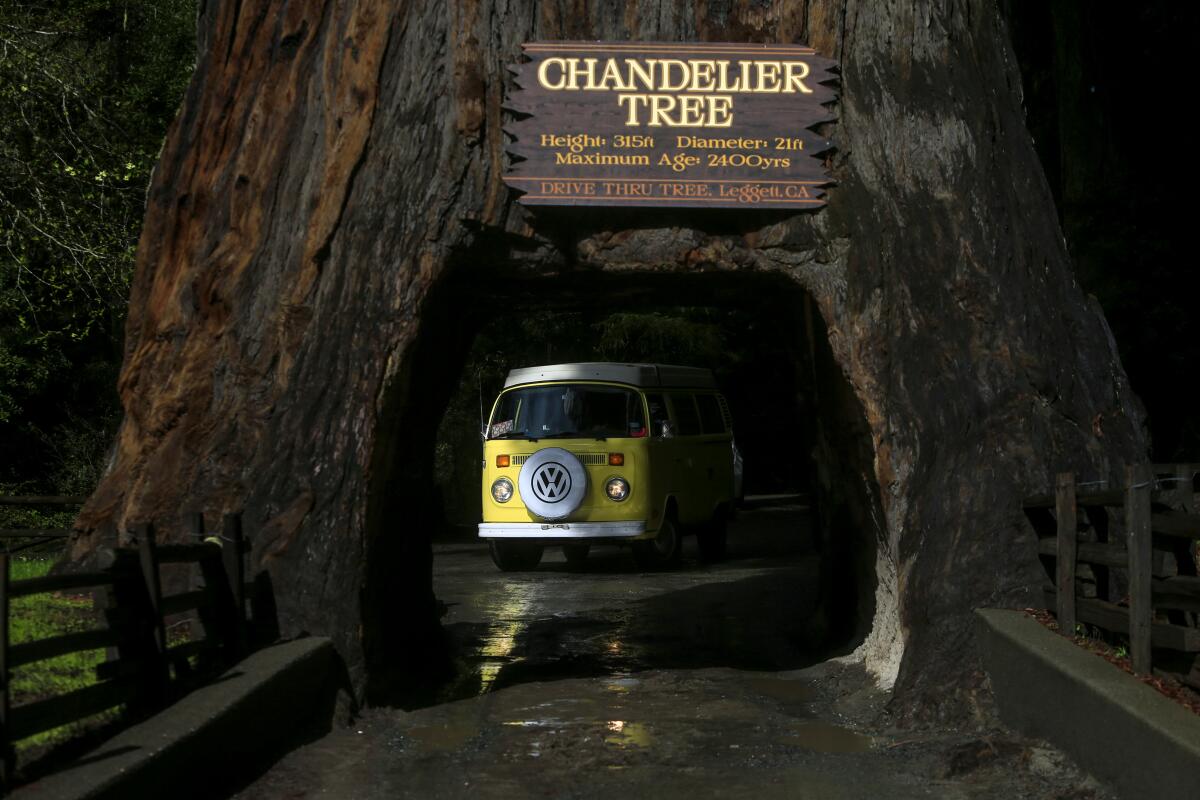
x,y
616,459
501,461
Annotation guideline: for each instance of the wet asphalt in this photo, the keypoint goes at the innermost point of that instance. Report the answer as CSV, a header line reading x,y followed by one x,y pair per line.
x,y
703,681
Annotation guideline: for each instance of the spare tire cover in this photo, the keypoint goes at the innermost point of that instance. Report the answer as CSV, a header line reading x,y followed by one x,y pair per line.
x,y
552,483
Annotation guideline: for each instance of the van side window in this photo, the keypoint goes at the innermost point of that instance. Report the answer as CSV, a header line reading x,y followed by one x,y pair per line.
x,y
710,413
658,413
725,411
685,414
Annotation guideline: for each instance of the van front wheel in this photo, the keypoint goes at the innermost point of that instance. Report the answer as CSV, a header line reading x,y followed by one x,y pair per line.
x,y
662,551
515,556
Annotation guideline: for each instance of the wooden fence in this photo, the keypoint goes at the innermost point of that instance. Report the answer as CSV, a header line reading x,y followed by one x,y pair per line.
x,y
143,670
1124,560
13,540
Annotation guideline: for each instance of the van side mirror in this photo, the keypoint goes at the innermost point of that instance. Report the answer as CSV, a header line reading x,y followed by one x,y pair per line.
x,y
667,430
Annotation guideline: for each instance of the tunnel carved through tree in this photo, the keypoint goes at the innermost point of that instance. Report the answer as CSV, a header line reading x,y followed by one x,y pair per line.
x,y
313,202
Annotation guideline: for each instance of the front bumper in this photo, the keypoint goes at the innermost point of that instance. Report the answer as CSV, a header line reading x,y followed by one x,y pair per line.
x,y
562,530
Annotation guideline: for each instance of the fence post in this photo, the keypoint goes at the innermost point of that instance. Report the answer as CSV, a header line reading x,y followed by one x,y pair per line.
x,y
1068,533
1184,488
1138,480
214,617
128,604
1187,549
235,569
1184,550
220,619
6,756
149,560
193,525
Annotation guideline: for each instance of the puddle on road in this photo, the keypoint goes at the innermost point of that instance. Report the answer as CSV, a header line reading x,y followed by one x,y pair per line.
x,y
627,734
496,647
621,685
787,691
534,723
618,733
823,738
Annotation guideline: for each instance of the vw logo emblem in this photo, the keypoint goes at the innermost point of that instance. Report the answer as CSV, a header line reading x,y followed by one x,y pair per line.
x,y
551,482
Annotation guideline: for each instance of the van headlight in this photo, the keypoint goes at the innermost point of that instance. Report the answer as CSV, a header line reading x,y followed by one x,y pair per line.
x,y
502,490
617,489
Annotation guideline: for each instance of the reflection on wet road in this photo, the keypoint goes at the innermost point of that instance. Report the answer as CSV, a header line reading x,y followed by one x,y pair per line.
x,y
494,649
751,611
699,682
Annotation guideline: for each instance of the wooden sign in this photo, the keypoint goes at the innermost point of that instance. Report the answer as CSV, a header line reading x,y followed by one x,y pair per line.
x,y
670,124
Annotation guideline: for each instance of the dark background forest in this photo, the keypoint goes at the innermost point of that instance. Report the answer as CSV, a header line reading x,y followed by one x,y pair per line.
x,y
87,90
89,87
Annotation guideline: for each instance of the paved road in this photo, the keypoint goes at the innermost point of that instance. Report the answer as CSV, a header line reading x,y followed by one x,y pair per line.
x,y
752,611
701,682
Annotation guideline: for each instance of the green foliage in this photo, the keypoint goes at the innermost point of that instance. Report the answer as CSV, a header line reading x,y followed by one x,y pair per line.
x,y
661,338
41,617
30,517
87,89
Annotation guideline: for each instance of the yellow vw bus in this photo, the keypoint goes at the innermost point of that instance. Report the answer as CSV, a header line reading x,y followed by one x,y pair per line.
x,y
582,454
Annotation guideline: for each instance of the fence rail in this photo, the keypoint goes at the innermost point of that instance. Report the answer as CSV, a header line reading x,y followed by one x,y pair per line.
x,y
1141,580
31,537
43,500
143,670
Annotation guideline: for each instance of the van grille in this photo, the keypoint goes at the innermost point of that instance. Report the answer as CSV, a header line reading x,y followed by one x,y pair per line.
x,y
588,459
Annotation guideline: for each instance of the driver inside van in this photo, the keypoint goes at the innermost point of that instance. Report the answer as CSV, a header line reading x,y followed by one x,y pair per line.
x,y
660,423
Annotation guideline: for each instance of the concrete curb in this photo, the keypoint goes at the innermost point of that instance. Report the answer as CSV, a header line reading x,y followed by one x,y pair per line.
x,y
1112,724
246,713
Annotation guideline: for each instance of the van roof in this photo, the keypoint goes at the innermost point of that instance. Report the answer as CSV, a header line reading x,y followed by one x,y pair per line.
x,y
649,376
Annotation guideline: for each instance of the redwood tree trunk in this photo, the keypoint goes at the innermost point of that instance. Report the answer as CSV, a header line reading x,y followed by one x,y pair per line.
x,y
333,180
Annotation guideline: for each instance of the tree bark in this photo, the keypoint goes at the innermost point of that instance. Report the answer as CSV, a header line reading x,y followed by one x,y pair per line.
x,y
331,188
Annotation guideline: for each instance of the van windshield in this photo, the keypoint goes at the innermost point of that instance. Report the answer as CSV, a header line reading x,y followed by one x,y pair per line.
x,y
568,409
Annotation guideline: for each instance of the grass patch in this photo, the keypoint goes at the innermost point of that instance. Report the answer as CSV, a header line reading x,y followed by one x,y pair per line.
x,y
42,616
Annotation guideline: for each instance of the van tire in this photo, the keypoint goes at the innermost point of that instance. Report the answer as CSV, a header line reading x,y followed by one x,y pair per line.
x,y
515,556
661,552
711,539
576,555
